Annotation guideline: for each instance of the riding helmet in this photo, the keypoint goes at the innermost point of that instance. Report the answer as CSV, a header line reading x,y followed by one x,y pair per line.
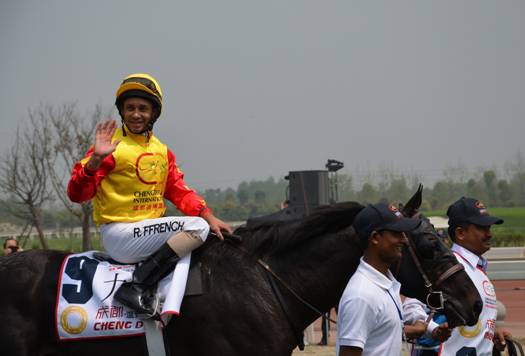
x,y
143,86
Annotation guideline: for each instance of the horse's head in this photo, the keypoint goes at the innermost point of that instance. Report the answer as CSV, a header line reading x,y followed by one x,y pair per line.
x,y
430,272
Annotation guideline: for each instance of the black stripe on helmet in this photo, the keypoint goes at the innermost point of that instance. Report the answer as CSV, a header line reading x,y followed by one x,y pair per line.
x,y
146,82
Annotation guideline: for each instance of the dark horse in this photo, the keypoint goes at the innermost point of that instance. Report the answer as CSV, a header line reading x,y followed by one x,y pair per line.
x,y
240,314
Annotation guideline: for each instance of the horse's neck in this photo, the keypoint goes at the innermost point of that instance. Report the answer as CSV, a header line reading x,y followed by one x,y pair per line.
x,y
319,274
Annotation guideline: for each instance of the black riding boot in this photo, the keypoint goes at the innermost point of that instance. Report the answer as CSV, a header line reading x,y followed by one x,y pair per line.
x,y
139,294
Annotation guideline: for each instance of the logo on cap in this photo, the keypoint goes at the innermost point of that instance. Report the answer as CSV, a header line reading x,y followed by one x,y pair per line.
x,y
482,209
394,210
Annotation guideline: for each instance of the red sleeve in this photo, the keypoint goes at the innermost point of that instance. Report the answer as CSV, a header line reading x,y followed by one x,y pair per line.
x,y
184,198
83,187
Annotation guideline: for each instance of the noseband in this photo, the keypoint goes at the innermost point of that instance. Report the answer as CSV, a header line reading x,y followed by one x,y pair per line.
x,y
443,277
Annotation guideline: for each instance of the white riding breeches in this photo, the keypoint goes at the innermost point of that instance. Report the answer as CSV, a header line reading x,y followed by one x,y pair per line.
x,y
135,241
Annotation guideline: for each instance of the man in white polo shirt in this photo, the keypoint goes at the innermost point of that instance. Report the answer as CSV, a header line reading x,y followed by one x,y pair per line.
x,y
469,228
370,319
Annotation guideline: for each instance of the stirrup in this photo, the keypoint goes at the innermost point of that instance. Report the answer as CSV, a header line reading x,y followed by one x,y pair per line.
x,y
155,306
145,303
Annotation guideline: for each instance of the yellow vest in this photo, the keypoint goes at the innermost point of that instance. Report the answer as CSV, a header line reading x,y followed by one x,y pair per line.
x,y
134,189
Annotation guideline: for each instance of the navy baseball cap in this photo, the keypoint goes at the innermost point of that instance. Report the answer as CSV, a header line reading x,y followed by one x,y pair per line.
x,y
380,217
469,210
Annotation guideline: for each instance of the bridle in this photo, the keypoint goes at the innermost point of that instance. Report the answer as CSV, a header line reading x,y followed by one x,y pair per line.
x,y
432,291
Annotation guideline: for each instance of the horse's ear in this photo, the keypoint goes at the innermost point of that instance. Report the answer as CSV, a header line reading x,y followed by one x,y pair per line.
x,y
411,207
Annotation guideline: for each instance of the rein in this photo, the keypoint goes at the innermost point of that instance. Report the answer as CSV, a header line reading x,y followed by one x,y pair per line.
x,y
294,293
272,277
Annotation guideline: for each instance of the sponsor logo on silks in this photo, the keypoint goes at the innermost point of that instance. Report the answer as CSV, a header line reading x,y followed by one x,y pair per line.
x,y
490,328
489,288
470,332
491,303
150,167
395,211
74,319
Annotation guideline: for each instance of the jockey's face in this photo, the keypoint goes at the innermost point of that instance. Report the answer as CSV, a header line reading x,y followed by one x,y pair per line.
x,y
137,113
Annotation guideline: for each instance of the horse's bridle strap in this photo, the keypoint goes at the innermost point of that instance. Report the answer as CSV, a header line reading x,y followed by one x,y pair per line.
x,y
411,248
449,272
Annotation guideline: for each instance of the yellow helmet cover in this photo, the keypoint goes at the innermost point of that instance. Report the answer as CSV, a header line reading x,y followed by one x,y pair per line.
x,y
140,84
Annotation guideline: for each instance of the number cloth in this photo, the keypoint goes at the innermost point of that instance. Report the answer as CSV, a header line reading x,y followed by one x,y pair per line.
x,y
479,336
85,305
368,317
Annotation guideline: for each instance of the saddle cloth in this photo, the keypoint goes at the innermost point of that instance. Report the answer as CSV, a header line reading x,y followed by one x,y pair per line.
x,y
85,307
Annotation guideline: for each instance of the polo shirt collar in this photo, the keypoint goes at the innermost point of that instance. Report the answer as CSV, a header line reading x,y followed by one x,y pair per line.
x,y
377,277
473,259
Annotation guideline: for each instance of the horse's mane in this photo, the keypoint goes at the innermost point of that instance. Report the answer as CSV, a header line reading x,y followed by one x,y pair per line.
x,y
281,236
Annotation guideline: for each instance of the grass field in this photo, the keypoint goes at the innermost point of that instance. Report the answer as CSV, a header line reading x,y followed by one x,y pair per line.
x,y
71,243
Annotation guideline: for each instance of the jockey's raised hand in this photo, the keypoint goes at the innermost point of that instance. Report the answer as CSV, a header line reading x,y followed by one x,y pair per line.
x,y
103,145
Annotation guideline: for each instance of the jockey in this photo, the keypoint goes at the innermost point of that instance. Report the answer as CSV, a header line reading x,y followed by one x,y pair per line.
x,y
128,173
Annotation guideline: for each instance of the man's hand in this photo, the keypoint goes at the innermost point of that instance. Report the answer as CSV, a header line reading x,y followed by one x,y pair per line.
x,y
442,332
216,225
103,145
415,330
499,338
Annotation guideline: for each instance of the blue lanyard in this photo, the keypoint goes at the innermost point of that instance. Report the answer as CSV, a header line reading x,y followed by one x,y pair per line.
x,y
400,317
398,310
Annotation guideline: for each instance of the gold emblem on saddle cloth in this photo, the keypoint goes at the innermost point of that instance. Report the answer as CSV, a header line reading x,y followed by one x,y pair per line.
x,y
470,332
74,312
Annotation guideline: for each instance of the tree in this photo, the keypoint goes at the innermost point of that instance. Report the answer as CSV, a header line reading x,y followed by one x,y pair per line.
x,y
260,197
23,175
345,187
72,135
505,193
398,190
242,193
489,179
368,194
517,172
473,189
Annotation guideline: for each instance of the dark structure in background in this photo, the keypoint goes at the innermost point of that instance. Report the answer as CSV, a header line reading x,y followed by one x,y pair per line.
x,y
333,166
308,190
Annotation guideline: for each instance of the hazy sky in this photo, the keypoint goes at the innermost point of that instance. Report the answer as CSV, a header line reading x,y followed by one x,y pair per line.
x,y
257,88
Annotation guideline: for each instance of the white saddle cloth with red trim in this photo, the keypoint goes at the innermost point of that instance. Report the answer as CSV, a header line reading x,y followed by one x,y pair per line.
x,y
85,307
